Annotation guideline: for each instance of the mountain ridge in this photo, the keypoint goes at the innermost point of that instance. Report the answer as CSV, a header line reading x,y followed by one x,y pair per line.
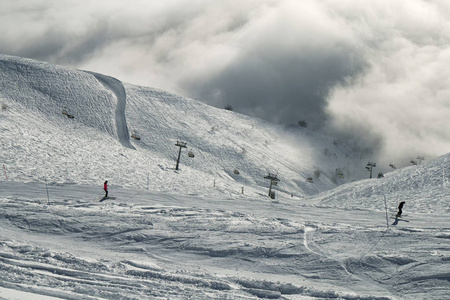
x,y
203,231
38,92
229,153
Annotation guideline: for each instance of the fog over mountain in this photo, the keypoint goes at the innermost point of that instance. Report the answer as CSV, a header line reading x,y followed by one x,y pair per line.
x,y
372,71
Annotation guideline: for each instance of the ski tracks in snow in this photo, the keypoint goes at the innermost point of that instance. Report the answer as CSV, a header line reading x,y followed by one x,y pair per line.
x,y
118,89
309,231
69,277
307,237
329,258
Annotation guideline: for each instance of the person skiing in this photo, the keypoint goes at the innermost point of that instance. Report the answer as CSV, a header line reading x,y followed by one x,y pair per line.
x,y
400,206
105,188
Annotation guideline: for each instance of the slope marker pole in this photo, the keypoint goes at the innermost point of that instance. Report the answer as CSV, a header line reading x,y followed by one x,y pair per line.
x,y
4,169
385,207
444,181
48,198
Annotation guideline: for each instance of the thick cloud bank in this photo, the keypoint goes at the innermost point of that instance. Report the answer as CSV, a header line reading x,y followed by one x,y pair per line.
x,y
375,70
401,102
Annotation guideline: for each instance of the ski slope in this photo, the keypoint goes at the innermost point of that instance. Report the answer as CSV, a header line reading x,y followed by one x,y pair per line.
x,y
423,187
154,245
202,232
43,144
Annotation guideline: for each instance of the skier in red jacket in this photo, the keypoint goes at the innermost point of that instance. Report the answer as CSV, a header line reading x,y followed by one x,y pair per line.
x,y
105,188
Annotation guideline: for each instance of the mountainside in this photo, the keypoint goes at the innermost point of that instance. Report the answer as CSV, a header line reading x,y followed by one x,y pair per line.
x,y
425,188
42,142
203,231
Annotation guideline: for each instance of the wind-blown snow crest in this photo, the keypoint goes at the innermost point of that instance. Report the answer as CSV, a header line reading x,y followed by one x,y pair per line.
x,y
121,122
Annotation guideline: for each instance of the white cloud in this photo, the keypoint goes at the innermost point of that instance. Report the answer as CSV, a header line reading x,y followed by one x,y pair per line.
x,y
378,66
403,97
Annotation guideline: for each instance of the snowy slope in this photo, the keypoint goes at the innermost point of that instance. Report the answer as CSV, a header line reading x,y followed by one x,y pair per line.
x,y
153,245
183,237
40,143
424,188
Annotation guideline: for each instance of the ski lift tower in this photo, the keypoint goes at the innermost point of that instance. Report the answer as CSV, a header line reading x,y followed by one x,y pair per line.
x,y
370,166
420,158
273,179
181,145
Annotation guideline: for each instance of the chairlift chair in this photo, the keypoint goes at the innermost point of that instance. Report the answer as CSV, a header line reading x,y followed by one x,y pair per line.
x,y
135,136
64,112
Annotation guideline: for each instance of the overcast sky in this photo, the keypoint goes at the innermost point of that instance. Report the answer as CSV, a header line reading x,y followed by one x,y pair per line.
x,y
376,70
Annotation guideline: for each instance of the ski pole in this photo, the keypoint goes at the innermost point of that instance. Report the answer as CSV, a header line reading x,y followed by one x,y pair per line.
x,y
4,169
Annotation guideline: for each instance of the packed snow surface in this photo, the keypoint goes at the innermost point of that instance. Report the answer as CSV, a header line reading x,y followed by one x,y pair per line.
x,y
207,230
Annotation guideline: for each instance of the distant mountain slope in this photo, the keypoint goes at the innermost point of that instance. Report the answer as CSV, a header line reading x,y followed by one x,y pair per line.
x,y
40,142
425,188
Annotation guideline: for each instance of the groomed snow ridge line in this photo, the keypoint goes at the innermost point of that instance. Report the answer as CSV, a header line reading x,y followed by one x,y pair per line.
x,y
117,88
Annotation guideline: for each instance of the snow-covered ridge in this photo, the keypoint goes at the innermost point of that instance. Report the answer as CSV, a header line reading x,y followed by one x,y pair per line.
x,y
425,188
40,143
193,234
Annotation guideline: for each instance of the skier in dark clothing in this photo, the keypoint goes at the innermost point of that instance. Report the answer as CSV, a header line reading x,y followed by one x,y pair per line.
x,y
105,188
400,206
